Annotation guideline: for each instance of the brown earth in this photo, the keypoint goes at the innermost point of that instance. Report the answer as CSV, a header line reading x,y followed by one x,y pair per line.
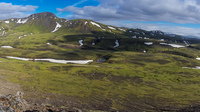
x,y
8,87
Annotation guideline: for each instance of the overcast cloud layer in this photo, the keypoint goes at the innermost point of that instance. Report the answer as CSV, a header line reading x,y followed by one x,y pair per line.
x,y
8,10
177,11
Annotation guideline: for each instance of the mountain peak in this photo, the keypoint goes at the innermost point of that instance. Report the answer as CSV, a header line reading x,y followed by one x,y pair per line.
x,y
43,15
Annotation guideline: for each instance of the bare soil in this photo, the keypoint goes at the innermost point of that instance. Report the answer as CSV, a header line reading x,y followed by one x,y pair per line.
x,y
7,87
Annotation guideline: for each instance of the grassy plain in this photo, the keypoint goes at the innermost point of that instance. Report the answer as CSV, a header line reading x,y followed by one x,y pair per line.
x,y
128,81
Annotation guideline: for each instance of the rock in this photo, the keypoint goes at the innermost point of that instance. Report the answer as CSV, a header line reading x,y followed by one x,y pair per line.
x,y
16,103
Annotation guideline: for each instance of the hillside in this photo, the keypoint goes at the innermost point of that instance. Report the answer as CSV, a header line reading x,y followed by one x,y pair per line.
x,y
89,66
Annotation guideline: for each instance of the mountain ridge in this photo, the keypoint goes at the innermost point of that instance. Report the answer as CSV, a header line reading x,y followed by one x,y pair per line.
x,y
95,32
49,21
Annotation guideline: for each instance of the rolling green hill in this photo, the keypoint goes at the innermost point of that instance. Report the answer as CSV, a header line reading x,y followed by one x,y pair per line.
x,y
132,69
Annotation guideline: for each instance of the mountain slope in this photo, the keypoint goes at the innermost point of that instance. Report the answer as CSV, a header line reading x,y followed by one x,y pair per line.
x,y
132,69
37,23
82,33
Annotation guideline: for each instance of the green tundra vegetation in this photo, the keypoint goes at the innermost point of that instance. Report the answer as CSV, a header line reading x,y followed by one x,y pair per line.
x,y
128,79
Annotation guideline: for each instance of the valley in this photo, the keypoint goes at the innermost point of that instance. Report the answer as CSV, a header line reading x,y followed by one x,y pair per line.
x,y
121,69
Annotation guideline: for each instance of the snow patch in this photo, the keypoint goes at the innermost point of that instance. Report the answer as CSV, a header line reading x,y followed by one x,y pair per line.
x,y
187,43
9,47
53,60
112,28
86,22
148,43
23,59
143,33
22,21
134,36
81,42
146,38
20,37
57,27
66,61
117,44
173,45
3,33
7,22
176,45
197,67
93,23
121,29
162,39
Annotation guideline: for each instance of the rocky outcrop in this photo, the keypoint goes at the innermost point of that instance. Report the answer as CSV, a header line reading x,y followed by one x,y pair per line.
x,y
10,103
191,109
16,103
43,15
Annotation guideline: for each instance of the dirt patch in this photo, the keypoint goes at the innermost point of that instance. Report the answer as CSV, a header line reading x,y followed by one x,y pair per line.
x,y
69,103
7,87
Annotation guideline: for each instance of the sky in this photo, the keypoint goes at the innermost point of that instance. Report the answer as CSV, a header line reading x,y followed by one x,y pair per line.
x,y
172,16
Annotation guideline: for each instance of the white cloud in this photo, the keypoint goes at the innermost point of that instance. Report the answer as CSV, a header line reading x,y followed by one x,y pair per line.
x,y
180,30
80,2
8,10
177,11
114,11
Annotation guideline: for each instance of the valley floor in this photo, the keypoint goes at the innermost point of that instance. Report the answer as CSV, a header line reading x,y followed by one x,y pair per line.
x,y
131,70
128,81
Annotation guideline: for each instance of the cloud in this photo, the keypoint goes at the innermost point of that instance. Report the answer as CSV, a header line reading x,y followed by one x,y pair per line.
x,y
168,28
176,11
8,10
80,2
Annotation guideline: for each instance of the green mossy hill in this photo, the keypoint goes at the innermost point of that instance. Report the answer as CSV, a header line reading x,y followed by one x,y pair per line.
x,y
40,23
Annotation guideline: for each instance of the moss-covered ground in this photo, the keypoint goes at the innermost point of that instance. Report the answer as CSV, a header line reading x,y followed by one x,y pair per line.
x,y
129,79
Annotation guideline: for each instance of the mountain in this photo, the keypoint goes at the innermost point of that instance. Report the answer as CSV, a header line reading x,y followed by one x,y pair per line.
x,y
36,23
47,22
129,70
87,33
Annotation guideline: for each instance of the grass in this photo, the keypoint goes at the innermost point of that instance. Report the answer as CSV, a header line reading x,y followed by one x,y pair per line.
x,y
129,80
155,78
